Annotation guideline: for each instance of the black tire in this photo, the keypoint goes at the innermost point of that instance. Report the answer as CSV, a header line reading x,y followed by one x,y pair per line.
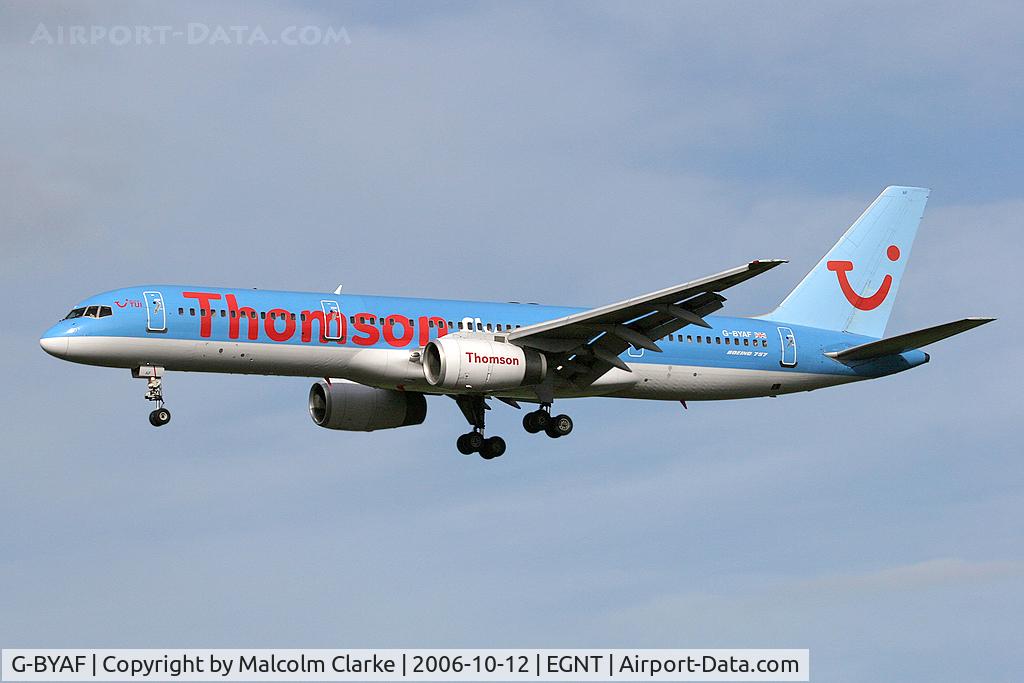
x,y
152,419
530,423
542,419
163,416
493,447
560,425
475,440
463,445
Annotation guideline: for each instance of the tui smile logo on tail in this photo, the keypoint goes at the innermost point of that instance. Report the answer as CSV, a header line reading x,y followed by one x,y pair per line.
x,y
864,303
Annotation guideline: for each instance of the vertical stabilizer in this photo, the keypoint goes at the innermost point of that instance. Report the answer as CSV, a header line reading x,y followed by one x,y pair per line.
x,y
854,286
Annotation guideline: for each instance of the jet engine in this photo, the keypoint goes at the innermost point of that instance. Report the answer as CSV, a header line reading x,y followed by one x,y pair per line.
x,y
453,362
359,408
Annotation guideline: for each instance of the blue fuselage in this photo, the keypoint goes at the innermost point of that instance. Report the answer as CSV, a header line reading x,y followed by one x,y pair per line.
x,y
232,320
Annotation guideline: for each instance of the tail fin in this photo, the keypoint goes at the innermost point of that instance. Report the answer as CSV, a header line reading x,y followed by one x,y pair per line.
x,y
854,286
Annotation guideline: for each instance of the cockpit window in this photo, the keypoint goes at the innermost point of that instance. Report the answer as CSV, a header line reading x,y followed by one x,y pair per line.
x,y
90,312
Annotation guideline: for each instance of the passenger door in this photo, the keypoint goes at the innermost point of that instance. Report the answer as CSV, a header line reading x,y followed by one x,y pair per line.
x,y
156,315
788,340
332,312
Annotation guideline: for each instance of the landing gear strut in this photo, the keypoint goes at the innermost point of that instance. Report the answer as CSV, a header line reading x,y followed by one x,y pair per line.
x,y
541,420
154,393
473,408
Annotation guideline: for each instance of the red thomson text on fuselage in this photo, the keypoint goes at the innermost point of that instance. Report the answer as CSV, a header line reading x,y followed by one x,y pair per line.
x,y
491,360
279,324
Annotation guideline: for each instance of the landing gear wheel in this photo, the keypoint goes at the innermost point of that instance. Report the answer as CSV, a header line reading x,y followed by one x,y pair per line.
x,y
493,447
560,425
464,446
473,409
475,440
536,421
154,393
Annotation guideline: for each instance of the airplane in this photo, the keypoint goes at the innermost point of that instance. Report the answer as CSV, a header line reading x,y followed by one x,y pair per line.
x,y
378,357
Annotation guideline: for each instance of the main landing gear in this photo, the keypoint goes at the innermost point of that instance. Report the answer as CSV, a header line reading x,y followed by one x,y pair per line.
x,y
541,420
473,408
154,393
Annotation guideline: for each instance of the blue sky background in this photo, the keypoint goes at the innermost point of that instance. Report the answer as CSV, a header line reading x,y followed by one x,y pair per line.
x,y
565,153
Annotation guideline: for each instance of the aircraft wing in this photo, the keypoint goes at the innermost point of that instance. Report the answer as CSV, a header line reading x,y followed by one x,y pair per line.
x,y
906,342
586,345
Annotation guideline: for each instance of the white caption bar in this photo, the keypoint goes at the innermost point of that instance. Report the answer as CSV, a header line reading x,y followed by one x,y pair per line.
x,y
405,665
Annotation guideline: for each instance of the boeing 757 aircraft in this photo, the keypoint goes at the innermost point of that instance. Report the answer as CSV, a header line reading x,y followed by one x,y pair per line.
x,y
379,356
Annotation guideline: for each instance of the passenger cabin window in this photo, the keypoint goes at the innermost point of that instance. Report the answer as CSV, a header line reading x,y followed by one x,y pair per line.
x,y
689,338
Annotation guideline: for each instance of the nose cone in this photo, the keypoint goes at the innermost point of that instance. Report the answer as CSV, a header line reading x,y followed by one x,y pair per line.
x,y
55,340
55,346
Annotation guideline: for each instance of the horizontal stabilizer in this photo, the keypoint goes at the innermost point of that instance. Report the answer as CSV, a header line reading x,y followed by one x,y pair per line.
x,y
908,341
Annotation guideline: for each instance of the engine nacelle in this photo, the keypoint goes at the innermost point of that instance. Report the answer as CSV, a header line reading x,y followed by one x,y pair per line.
x,y
359,408
453,362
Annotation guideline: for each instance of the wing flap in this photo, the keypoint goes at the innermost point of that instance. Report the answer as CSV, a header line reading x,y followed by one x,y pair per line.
x,y
586,345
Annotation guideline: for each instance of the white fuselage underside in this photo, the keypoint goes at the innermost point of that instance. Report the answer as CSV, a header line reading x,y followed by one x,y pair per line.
x,y
397,368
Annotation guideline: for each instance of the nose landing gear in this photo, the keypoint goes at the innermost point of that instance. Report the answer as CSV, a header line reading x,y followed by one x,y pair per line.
x,y
154,393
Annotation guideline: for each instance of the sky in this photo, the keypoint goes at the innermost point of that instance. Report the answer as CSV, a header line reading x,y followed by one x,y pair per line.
x,y
565,153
